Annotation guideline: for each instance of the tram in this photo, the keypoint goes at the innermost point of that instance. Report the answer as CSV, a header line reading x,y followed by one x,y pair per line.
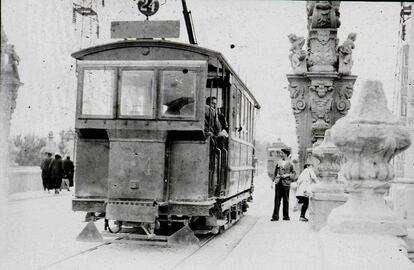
x,y
144,157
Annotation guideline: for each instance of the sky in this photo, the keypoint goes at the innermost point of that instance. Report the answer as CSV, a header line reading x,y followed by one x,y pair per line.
x,y
45,35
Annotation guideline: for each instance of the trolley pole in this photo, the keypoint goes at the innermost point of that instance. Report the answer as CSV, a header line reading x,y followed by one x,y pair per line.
x,y
189,24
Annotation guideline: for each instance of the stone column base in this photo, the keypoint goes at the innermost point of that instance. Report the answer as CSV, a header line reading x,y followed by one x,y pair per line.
x,y
321,205
366,212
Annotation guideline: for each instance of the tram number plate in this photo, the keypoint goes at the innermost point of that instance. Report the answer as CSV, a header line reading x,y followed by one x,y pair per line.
x,y
148,7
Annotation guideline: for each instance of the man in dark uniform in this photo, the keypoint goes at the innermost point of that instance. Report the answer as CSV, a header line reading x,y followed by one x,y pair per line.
x,y
69,168
45,167
283,176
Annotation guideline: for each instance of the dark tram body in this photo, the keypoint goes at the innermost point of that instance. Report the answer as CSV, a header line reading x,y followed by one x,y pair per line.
x,y
142,154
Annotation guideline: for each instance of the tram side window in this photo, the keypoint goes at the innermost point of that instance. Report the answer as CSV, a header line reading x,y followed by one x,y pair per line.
x,y
137,93
178,93
98,92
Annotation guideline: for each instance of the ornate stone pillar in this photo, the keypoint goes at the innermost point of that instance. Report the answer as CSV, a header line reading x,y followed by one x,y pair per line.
x,y
329,193
369,138
319,90
10,82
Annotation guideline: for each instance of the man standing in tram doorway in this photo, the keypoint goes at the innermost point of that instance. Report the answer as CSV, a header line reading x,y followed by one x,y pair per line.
x,y
283,176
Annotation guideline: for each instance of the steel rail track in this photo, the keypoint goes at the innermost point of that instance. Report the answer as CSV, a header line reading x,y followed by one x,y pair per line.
x,y
202,244
75,255
106,243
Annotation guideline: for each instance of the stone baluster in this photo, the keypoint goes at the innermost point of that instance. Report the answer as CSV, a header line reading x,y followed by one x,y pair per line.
x,y
328,193
368,137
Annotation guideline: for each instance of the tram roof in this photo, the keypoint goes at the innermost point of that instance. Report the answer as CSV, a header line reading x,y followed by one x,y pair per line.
x,y
166,44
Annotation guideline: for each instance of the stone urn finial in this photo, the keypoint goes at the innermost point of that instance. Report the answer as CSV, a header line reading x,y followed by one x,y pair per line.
x,y
368,137
329,157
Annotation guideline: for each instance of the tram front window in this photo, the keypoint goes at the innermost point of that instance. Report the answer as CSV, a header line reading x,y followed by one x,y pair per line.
x,y
178,93
98,92
137,93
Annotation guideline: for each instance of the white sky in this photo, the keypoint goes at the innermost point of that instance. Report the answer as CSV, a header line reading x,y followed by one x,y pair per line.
x,y
44,37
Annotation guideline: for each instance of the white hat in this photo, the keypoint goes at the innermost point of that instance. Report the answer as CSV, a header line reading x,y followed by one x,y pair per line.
x,y
58,154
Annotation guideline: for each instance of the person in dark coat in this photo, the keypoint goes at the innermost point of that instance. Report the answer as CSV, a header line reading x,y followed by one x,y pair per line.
x,y
69,169
45,167
56,173
283,176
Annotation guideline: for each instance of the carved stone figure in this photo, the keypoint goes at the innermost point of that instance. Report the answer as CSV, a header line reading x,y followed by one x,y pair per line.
x,y
298,55
321,89
345,55
323,14
369,137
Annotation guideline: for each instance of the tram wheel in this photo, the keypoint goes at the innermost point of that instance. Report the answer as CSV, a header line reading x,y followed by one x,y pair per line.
x,y
117,230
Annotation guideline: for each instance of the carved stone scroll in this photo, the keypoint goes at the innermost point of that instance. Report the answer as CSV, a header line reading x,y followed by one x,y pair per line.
x,y
297,96
344,95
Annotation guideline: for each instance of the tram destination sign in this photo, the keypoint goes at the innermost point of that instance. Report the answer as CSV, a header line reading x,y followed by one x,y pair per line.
x,y
145,29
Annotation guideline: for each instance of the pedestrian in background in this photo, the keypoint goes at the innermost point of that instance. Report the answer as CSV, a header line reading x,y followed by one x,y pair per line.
x,y
69,169
283,176
305,180
55,173
44,166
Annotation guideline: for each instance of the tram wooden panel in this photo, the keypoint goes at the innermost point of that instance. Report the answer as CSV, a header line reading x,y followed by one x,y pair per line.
x,y
136,170
189,167
92,159
233,184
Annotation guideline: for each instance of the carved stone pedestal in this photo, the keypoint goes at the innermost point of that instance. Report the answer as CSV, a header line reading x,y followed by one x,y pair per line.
x,y
321,205
368,137
366,212
329,193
